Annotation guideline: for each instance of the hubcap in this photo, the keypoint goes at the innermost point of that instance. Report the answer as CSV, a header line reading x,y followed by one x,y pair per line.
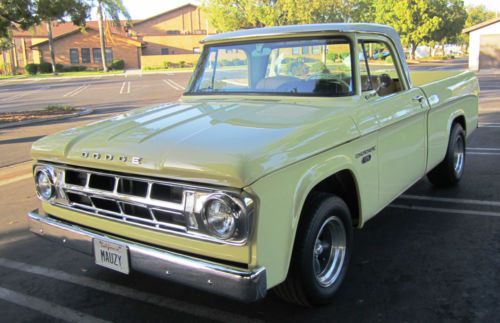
x,y
329,251
458,156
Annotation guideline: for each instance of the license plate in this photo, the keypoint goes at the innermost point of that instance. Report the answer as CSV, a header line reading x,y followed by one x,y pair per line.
x,y
111,255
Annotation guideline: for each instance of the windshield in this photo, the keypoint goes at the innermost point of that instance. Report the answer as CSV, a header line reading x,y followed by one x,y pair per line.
x,y
319,67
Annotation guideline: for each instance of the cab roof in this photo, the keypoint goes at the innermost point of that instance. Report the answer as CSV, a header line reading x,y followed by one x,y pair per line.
x,y
270,32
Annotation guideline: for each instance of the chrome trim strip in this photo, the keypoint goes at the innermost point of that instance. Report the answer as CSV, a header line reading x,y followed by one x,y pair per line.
x,y
246,286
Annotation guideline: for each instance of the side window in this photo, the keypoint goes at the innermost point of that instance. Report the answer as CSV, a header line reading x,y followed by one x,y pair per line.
x,y
377,68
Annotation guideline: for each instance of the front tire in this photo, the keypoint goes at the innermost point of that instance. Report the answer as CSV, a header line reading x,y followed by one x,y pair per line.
x,y
449,172
321,253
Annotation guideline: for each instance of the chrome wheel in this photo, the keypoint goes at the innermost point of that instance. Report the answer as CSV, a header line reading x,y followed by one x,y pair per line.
x,y
459,156
329,251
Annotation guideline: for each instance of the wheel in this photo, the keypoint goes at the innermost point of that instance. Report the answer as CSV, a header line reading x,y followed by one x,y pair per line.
x,y
321,253
449,172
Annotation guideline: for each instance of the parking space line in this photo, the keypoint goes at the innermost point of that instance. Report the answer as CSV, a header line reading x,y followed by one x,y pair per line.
x,y
443,210
45,307
172,85
489,125
448,199
111,288
481,148
482,153
76,91
123,86
177,84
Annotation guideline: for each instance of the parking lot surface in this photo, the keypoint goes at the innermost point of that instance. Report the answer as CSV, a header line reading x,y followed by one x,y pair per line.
x,y
433,255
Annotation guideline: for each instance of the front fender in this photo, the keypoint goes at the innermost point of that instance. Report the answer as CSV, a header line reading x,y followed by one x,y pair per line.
x,y
282,195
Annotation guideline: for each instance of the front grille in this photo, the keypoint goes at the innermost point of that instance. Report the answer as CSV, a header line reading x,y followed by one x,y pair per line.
x,y
137,201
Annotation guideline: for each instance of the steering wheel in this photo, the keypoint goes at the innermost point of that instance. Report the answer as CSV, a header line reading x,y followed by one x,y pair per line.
x,y
329,78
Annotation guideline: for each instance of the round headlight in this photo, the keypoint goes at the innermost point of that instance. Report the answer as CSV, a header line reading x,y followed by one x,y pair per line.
x,y
44,185
221,216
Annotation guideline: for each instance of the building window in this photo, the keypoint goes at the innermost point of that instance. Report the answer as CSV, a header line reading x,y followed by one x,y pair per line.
x,y
164,51
196,50
305,50
109,55
173,32
85,55
316,50
73,56
295,50
96,52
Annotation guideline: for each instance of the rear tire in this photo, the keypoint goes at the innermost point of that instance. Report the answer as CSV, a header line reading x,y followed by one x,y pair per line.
x,y
321,253
449,172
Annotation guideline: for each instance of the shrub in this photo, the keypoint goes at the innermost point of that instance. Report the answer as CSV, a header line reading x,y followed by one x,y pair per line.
x,y
389,59
332,56
32,69
182,64
117,64
45,67
318,67
166,64
59,67
59,108
74,68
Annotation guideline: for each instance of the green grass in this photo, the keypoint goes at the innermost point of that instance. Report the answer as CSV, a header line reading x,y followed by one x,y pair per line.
x,y
152,70
82,73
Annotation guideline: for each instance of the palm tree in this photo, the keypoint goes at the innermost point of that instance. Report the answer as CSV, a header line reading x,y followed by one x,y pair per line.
x,y
111,9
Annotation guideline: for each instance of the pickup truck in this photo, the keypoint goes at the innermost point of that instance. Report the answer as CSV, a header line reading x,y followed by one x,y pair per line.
x,y
285,141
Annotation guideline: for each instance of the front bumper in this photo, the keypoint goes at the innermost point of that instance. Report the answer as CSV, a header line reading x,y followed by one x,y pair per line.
x,y
246,286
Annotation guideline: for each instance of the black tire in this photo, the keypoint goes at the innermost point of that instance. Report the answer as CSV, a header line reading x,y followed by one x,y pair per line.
x,y
449,172
303,285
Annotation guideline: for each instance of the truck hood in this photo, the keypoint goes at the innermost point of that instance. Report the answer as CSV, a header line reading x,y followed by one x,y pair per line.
x,y
204,141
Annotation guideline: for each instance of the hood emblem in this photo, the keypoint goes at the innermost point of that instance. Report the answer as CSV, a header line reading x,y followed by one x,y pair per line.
x,y
109,157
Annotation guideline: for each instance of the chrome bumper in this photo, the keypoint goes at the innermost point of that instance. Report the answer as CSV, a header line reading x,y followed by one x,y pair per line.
x,y
246,286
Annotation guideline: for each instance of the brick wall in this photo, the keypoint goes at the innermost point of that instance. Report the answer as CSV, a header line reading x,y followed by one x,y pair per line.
x,y
178,44
186,19
122,49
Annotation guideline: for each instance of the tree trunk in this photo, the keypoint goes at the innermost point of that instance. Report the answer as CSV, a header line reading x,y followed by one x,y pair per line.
x,y
101,36
11,52
51,47
442,48
413,51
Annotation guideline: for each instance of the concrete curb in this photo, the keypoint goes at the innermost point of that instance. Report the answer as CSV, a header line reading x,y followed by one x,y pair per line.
x,y
35,121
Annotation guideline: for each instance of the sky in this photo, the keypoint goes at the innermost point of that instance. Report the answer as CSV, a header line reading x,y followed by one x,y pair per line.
x,y
140,9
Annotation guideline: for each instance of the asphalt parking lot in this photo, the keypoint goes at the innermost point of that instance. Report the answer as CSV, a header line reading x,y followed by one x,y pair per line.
x,y
109,93
431,256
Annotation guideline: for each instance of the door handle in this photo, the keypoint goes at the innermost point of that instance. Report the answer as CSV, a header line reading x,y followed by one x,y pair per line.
x,y
418,98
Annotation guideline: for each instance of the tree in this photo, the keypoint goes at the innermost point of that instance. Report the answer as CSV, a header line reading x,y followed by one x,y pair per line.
x,y
108,10
453,16
227,15
52,10
27,13
413,19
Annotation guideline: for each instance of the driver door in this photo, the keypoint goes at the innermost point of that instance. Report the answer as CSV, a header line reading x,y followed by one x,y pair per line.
x,y
401,113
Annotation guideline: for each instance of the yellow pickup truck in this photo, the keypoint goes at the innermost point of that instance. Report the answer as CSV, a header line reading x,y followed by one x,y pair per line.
x,y
285,140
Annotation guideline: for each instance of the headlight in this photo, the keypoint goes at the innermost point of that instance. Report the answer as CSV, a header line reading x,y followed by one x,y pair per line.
x,y
221,215
44,184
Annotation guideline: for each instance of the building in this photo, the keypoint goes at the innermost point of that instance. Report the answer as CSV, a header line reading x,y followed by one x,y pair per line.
x,y
484,45
163,37
82,48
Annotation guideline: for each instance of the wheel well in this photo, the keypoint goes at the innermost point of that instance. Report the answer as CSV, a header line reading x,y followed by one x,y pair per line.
x,y
344,186
461,121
